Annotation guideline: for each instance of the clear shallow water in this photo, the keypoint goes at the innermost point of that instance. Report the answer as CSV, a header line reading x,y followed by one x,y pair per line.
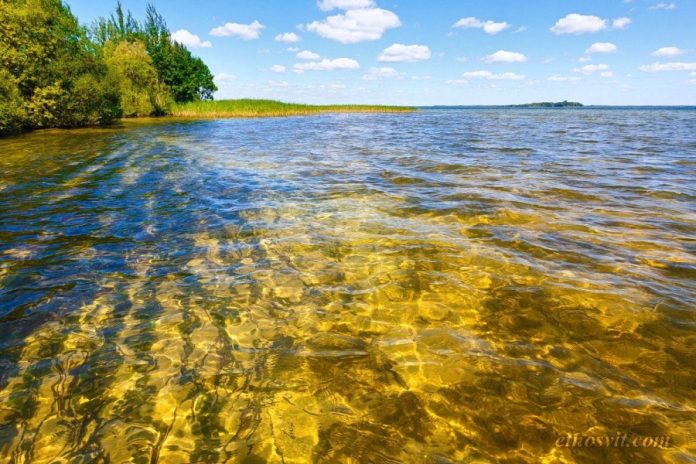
x,y
445,286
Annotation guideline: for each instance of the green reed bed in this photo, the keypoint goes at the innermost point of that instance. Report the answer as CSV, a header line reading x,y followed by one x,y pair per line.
x,y
257,108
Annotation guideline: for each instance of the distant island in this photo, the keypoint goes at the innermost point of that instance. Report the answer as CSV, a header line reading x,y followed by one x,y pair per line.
x,y
563,104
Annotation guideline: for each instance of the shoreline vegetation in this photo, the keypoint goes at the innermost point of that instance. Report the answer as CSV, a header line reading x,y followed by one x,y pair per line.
x,y
249,108
58,73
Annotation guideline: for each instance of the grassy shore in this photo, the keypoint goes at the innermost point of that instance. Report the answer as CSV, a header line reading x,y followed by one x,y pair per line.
x,y
267,108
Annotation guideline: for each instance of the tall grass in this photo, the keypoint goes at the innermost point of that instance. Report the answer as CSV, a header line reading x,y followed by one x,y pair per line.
x,y
249,108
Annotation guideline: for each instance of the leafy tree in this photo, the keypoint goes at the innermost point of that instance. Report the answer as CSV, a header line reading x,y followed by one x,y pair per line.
x,y
55,73
12,111
119,26
187,76
54,70
141,92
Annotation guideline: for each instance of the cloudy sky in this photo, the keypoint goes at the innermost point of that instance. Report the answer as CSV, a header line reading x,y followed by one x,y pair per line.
x,y
450,52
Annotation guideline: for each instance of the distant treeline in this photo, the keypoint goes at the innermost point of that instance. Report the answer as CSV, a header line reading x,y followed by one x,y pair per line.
x,y
57,73
563,104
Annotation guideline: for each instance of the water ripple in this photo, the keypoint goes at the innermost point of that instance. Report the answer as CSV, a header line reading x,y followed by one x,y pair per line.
x,y
444,286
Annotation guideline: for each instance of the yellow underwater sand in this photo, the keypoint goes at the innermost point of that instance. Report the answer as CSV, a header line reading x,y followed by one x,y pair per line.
x,y
343,322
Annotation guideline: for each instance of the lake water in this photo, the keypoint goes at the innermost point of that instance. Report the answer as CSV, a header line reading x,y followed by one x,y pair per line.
x,y
437,287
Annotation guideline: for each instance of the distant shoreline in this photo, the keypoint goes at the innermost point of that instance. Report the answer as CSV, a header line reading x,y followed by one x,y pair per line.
x,y
583,107
249,109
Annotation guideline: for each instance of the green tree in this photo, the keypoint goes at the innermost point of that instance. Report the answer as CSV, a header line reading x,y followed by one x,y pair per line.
x,y
187,77
58,73
117,27
55,73
141,92
12,111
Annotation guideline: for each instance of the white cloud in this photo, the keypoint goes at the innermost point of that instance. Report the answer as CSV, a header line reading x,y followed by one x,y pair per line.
x,y
469,22
278,84
579,24
225,84
327,5
189,40
457,82
333,86
355,26
293,49
307,55
278,68
663,67
508,76
606,74
592,68
224,78
287,37
477,74
663,6
401,52
562,79
668,52
327,65
243,31
489,27
584,59
602,47
504,56
621,23
379,73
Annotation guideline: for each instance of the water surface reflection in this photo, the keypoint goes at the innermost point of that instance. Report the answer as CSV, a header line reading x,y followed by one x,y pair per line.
x,y
446,286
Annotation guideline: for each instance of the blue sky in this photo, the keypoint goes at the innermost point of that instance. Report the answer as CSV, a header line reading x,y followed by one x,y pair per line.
x,y
439,51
